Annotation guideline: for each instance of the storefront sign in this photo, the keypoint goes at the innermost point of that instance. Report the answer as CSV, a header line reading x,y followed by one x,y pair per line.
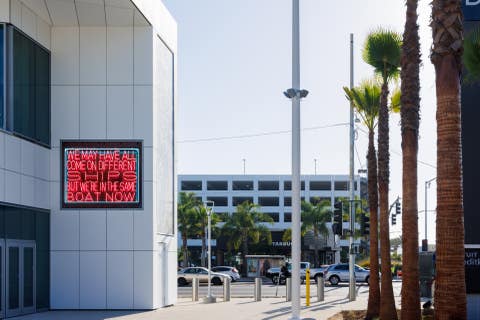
x,y
472,270
101,174
471,10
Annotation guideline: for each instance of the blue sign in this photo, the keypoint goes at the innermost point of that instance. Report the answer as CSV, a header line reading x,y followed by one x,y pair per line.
x,y
471,10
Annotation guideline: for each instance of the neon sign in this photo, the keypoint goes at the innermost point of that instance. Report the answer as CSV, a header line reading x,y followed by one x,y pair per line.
x,y
101,174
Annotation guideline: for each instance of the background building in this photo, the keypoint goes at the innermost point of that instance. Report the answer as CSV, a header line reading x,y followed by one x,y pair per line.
x,y
273,194
102,70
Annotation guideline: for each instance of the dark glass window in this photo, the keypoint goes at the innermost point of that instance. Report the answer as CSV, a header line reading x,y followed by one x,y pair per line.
x,y
287,217
242,185
239,200
219,201
341,185
268,201
274,215
287,185
30,81
320,185
191,185
217,185
268,185
287,201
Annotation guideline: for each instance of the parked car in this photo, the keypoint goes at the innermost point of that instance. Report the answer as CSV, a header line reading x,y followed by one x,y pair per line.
x,y
186,276
339,272
315,273
230,271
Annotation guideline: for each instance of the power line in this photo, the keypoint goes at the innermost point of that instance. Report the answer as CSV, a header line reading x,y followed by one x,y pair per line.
x,y
268,133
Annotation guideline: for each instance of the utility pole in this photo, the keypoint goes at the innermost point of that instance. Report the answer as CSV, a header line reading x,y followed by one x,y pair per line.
x,y
351,291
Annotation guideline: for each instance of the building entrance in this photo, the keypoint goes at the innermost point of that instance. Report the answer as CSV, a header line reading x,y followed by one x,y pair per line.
x,y
17,277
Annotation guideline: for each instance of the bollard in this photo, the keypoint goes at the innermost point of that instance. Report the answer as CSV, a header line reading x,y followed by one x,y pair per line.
x,y
257,295
226,289
307,288
320,289
195,289
289,289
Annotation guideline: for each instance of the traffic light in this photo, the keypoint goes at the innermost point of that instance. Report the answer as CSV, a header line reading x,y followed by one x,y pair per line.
x,y
337,218
397,207
364,224
394,219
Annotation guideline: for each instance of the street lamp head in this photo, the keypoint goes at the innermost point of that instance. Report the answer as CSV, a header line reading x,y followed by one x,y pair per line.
x,y
290,93
303,93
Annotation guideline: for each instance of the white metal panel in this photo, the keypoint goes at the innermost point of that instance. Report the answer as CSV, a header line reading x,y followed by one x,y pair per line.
x,y
2,184
13,156
16,13
143,55
42,162
143,110
4,10
12,187
65,113
42,194
62,12
119,112
64,230
64,280
119,56
119,279
65,56
143,221
2,150
119,230
29,22
27,194
91,13
93,234
93,112
39,8
119,16
55,199
27,157
93,56
55,164
143,273
148,164
93,282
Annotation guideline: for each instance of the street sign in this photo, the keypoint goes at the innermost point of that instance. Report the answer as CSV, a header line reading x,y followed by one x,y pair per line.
x,y
471,10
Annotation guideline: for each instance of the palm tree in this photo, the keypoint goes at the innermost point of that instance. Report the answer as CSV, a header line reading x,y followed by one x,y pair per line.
x,y
201,218
410,106
186,220
446,54
246,226
382,51
315,218
471,55
366,100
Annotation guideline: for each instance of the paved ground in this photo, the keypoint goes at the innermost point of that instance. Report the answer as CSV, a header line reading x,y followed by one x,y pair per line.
x,y
236,309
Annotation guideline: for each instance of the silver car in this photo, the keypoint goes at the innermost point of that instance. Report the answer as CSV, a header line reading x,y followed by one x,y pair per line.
x,y
186,276
339,272
230,271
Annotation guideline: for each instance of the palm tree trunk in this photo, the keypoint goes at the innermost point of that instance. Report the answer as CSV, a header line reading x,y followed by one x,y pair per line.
x,y
315,248
204,246
373,309
410,105
185,249
447,31
244,254
387,302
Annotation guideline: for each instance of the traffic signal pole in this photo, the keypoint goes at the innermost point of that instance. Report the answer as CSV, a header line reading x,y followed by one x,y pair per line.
x,y
351,291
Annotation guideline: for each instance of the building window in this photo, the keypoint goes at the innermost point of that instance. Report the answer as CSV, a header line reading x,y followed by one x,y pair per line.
x,y
268,201
268,185
287,201
341,185
320,185
287,185
274,215
27,111
239,200
287,217
217,185
219,201
191,185
242,185
317,200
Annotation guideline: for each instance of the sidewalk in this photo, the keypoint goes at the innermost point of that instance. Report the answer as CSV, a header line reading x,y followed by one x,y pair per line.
x,y
236,309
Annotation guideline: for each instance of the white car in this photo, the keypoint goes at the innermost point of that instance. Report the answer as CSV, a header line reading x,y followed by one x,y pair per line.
x,y
231,271
186,276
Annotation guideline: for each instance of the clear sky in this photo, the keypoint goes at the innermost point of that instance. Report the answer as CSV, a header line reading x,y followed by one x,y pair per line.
x,y
234,62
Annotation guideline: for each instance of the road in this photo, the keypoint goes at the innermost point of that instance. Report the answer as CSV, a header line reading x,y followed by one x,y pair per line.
x,y
245,289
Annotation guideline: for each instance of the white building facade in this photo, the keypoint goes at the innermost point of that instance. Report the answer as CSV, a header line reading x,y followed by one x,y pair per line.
x,y
86,71
273,194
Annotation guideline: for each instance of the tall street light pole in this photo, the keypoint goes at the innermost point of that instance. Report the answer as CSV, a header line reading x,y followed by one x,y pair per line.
x,y
351,291
295,94
425,241
209,204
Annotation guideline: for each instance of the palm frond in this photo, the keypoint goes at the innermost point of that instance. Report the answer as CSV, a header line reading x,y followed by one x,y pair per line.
x,y
395,100
471,55
382,50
